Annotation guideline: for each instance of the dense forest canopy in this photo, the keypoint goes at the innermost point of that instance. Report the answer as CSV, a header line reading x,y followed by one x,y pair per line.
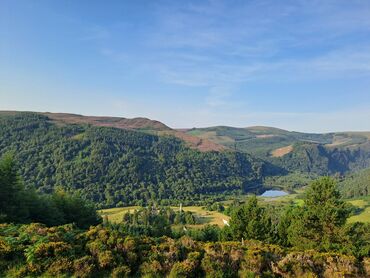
x,y
115,167
21,205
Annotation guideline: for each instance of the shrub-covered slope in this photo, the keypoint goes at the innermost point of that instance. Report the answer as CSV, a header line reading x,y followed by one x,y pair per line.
x,y
34,251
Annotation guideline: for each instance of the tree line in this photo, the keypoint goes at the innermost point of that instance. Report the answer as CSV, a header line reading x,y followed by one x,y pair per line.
x,y
319,224
21,205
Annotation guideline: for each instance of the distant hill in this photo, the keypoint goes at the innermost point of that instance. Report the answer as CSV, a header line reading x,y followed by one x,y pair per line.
x,y
118,161
121,166
295,151
123,123
138,124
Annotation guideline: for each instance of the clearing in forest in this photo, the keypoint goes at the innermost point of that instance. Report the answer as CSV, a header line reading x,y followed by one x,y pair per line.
x,y
204,216
282,151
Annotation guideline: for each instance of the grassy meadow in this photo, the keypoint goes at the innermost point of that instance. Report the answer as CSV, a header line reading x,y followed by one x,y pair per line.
x,y
363,204
204,216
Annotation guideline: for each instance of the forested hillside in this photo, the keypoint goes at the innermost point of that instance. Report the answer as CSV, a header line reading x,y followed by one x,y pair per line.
x,y
120,167
320,154
356,185
321,160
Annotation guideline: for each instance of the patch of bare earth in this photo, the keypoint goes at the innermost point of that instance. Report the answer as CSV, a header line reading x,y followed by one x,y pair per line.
x,y
282,151
194,142
339,142
265,136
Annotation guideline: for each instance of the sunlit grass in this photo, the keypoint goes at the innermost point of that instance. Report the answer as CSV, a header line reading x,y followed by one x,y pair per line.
x,y
364,216
116,214
364,204
359,203
216,218
204,216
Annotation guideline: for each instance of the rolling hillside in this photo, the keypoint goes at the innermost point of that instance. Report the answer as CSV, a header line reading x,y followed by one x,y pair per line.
x,y
138,124
118,161
115,166
295,151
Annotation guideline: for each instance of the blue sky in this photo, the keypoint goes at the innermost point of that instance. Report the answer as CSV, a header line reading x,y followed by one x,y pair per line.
x,y
299,65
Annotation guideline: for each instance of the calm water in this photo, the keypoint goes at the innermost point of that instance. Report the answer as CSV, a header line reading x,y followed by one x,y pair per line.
x,y
274,193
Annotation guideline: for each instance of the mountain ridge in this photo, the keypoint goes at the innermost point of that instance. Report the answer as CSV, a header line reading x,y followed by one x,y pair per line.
x,y
137,123
321,154
63,116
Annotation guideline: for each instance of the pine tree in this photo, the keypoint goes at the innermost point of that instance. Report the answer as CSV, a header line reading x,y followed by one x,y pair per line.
x,y
318,223
250,221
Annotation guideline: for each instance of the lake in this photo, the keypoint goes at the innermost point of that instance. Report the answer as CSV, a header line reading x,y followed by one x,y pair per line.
x,y
274,193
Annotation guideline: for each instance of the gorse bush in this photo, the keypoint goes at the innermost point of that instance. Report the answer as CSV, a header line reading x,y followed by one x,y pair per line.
x,y
34,250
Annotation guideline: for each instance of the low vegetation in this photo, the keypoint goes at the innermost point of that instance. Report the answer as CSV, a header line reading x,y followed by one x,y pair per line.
x,y
64,251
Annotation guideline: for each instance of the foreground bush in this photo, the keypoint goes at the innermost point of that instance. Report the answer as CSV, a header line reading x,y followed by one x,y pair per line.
x,y
35,250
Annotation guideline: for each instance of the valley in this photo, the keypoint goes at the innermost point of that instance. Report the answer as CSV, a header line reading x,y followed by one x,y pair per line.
x,y
102,196
184,139
124,162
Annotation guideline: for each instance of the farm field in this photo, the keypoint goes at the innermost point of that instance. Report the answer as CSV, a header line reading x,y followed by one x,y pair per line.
x,y
205,216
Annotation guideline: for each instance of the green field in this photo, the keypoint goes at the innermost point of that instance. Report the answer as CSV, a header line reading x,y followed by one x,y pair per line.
x,y
116,214
364,205
204,216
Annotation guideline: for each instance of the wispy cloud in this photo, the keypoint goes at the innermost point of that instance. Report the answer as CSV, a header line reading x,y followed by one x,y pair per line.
x,y
213,43
217,56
